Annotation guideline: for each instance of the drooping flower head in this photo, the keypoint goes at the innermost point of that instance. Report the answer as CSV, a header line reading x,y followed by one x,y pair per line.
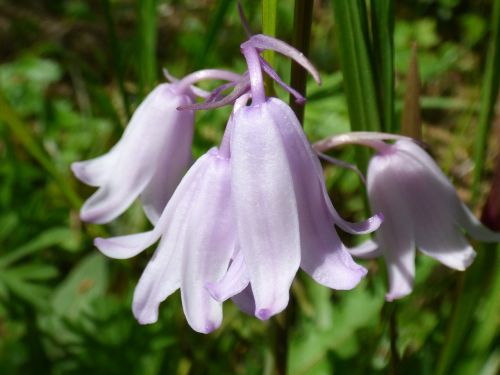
x,y
245,217
421,210
284,218
150,158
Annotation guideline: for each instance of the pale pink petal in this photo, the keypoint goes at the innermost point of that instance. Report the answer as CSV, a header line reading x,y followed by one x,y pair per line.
x,y
265,207
233,282
395,236
208,247
466,219
323,256
172,163
160,279
130,245
163,274
95,172
138,154
434,214
124,247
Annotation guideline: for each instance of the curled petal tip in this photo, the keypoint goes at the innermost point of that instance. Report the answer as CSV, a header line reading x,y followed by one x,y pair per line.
x,y
264,314
147,320
209,327
91,217
213,291
144,316
393,296
262,42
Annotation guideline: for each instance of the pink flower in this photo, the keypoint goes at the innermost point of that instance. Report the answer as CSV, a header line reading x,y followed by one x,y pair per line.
x,y
284,218
149,160
244,219
197,242
421,209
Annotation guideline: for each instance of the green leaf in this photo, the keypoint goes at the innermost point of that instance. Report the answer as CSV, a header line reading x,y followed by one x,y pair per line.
x,y
357,69
23,133
56,236
382,16
216,25
86,282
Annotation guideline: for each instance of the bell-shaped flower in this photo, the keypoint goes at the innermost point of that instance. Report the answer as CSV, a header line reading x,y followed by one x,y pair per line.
x,y
421,210
150,158
197,242
284,217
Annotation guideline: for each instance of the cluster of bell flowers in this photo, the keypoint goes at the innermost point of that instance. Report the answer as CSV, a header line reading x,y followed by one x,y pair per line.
x,y
242,219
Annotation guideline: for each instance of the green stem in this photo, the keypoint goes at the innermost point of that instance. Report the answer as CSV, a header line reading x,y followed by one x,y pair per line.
x,y
269,12
301,38
21,132
393,334
489,91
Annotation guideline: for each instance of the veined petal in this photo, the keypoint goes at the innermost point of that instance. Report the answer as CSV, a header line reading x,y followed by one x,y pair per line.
x,y
323,256
265,207
233,282
328,263
162,275
309,161
122,247
160,278
209,246
140,148
173,161
95,172
433,214
395,235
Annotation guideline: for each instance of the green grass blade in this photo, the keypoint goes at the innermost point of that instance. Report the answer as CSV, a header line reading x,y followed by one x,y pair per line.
x,y
357,69
473,285
146,44
215,26
301,35
489,90
116,54
382,17
21,132
483,336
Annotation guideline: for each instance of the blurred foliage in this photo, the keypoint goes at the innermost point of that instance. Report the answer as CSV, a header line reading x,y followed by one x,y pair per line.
x,y
70,70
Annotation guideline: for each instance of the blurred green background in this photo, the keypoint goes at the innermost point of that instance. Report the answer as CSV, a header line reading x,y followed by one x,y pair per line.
x,y
72,72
